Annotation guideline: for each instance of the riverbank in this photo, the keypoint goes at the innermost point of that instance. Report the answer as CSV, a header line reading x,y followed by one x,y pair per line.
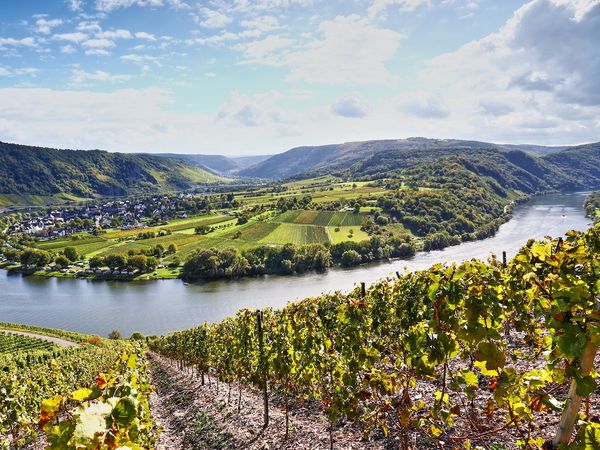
x,y
294,260
161,306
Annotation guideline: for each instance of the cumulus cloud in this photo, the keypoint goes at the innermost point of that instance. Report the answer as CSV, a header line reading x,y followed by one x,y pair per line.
x,y
81,77
351,106
145,36
425,107
379,8
44,26
350,50
114,34
111,5
209,18
12,72
75,37
24,42
75,5
531,73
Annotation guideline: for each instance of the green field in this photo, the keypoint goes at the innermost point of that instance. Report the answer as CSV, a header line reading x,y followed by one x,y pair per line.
x,y
343,234
322,218
12,343
297,234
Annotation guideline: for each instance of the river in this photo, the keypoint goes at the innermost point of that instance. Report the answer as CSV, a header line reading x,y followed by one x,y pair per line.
x,y
156,307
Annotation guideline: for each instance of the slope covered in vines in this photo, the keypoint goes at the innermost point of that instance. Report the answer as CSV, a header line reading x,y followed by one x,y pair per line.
x,y
508,351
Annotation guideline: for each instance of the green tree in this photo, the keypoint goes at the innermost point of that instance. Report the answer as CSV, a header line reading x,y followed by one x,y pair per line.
x,y
62,261
71,254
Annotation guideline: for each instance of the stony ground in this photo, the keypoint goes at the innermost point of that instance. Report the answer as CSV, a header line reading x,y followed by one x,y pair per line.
x,y
194,416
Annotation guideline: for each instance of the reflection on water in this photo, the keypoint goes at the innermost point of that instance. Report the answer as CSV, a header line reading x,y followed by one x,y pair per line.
x,y
160,306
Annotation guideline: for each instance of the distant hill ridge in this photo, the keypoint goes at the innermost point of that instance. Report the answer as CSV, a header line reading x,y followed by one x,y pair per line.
x,y
89,173
301,160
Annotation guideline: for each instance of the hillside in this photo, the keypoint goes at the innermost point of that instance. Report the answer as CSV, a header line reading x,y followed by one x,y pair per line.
x,y
48,172
337,156
218,164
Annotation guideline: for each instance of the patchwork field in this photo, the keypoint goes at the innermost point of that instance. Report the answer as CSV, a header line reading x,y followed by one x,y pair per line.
x,y
322,218
297,234
347,234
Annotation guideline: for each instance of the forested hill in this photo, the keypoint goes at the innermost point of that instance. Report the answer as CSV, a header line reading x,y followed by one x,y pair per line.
x,y
325,158
46,172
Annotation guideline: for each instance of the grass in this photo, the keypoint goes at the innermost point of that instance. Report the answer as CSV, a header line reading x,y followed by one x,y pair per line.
x,y
321,218
343,234
297,234
38,200
253,232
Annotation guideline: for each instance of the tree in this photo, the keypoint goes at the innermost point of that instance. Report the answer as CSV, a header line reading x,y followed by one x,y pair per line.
x,y
115,261
32,257
71,254
202,229
138,262
96,261
351,258
151,263
115,335
172,249
62,261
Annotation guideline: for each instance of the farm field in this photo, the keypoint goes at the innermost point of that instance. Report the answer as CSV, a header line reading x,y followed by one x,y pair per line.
x,y
297,234
321,218
344,234
12,343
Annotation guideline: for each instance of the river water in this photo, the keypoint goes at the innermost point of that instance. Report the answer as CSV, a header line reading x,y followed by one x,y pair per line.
x,y
156,307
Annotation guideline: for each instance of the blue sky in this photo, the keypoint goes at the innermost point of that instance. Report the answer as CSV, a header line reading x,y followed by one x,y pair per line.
x,y
260,76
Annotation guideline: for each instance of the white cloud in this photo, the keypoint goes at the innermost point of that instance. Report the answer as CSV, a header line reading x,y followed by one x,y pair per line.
x,y
352,51
133,57
265,50
12,72
75,5
210,74
378,8
67,49
111,5
144,35
209,18
75,37
45,26
351,106
81,77
24,42
97,52
535,78
98,43
114,34
92,27
258,26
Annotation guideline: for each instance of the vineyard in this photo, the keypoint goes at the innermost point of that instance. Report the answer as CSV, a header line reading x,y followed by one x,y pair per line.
x,y
496,355
472,355
12,343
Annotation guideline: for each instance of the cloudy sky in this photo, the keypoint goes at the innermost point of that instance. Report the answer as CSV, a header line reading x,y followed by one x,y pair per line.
x,y
260,76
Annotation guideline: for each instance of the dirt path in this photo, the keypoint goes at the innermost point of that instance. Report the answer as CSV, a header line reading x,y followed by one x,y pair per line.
x,y
58,341
197,417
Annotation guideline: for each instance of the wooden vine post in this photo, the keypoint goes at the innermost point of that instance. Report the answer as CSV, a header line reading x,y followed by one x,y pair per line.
x,y
363,289
574,401
262,368
504,259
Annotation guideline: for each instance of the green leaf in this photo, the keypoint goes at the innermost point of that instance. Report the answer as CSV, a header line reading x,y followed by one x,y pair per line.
x,y
493,357
124,412
585,386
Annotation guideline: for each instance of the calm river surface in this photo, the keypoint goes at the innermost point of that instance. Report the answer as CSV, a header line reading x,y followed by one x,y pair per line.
x,y
155,307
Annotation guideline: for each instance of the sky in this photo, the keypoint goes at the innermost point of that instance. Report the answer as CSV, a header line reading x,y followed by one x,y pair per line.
x,y
243,77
